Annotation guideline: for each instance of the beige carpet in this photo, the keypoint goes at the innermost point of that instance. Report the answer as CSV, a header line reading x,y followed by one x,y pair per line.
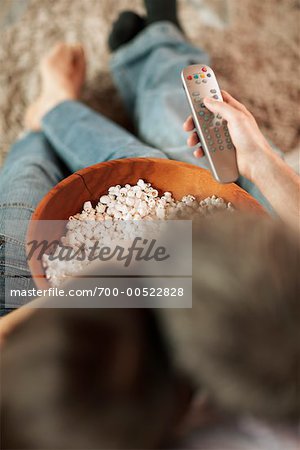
x,y
256,57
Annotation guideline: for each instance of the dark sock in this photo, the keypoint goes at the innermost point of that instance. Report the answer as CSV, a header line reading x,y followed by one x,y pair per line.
x,y
158,10
127,26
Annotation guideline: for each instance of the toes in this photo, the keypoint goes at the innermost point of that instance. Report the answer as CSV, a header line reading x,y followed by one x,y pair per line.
x,y
78,52
79,60
64,55
58,50
55,54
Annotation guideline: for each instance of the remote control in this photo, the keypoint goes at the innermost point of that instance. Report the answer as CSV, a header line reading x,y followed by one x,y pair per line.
x,y
199,81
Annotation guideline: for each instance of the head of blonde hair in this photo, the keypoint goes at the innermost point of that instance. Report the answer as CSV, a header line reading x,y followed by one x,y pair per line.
x,y
241,338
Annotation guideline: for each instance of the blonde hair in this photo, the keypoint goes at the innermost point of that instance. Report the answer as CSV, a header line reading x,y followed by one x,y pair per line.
x,y
241,338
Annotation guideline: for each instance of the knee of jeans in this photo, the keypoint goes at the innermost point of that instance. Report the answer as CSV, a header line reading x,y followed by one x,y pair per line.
x,y
155,154
30,174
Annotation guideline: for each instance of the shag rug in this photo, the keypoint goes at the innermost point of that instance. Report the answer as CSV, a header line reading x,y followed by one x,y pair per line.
x,y
255,56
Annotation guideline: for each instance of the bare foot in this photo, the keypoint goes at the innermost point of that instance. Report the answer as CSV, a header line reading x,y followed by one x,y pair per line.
x,y
62,76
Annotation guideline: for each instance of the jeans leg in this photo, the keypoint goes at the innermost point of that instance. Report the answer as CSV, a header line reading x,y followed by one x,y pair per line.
x,y
31,169
147,73
82,137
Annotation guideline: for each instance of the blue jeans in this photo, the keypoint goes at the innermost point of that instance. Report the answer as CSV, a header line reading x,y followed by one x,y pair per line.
x,y
147,74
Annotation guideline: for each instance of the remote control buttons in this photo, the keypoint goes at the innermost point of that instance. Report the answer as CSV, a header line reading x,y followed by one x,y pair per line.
x,y
189,77
213,91
218,124
196,76
201,113
204,81
220,141
204,69
198,81
202,105
219,116
209,75
216,97
229,146
195,94
202,75
221,147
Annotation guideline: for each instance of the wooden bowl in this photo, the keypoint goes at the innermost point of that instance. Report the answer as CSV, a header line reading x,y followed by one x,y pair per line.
x,y
67,197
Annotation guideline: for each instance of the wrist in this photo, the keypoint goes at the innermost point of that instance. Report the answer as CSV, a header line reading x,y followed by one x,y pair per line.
x,y
260,164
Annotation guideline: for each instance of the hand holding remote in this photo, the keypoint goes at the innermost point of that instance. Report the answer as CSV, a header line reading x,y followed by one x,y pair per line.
x,y
250,143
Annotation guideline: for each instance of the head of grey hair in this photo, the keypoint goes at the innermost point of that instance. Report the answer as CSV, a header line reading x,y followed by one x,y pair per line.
x,y
241,339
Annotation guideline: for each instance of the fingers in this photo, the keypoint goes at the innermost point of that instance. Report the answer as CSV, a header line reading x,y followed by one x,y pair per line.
x,y
189,124
199,153
227,111
193,139
233,102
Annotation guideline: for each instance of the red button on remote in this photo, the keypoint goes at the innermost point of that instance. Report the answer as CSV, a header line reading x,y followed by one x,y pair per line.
x,y
204,69
189,77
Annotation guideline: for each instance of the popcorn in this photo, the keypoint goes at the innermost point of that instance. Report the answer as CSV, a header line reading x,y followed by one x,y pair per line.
x,y
141,184
122,203
105,199
87,206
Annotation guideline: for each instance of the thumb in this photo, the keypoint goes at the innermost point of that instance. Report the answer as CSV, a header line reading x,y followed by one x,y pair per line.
x,y
219,107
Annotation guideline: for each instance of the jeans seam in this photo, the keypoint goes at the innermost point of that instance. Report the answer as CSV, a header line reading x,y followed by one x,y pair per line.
x,y
7,263
12,266
17,205
4,238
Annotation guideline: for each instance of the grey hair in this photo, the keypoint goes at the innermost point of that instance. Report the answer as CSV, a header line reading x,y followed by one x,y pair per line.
x,y
241,339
